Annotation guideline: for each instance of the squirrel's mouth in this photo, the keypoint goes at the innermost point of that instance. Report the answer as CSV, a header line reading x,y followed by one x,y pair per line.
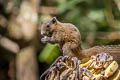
x,y
49,34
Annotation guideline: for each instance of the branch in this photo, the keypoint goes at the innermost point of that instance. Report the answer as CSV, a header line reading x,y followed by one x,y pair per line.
x,y
9,45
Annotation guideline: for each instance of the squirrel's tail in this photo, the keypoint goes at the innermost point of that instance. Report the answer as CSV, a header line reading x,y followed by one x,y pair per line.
x,y
113,50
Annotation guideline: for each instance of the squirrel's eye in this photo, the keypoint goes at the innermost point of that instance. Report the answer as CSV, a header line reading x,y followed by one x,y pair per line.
x,y
54,20
48,26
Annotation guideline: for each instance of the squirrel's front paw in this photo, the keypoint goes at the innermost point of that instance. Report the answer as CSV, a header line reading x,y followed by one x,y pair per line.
x,y
45,39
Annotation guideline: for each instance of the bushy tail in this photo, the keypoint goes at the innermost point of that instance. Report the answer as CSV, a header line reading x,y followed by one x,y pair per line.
x,y
113,50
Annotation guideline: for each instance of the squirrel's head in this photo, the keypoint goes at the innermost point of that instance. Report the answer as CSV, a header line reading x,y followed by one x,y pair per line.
x,y
49,26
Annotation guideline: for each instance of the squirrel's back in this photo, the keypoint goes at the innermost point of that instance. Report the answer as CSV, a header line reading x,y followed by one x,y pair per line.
x,y
70,32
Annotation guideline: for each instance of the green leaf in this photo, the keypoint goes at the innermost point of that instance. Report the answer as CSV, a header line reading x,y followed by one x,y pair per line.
x,y
49,53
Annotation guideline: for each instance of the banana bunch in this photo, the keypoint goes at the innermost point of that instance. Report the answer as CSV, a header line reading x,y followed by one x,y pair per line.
x,y
102,66
98,67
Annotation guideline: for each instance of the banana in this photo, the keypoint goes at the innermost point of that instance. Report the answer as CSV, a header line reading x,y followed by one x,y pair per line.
x,y
111,69
65,72
97,77
91,66
98,71
85,78
93,71
84,60
115,76
73,75
86,64
52,75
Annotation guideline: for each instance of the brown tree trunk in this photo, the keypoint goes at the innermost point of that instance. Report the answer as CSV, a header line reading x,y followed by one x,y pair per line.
x,y
26,64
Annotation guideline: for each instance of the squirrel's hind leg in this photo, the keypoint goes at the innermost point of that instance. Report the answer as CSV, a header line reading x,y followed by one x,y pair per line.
x,y
67,51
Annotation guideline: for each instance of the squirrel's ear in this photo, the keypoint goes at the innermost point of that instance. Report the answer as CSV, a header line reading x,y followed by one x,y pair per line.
x,y
54,20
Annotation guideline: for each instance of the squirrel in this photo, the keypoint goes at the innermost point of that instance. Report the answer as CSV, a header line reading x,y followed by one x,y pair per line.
x,y
69,38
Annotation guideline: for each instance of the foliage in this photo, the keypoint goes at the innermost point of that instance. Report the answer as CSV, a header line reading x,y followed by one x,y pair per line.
x,y
49,53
